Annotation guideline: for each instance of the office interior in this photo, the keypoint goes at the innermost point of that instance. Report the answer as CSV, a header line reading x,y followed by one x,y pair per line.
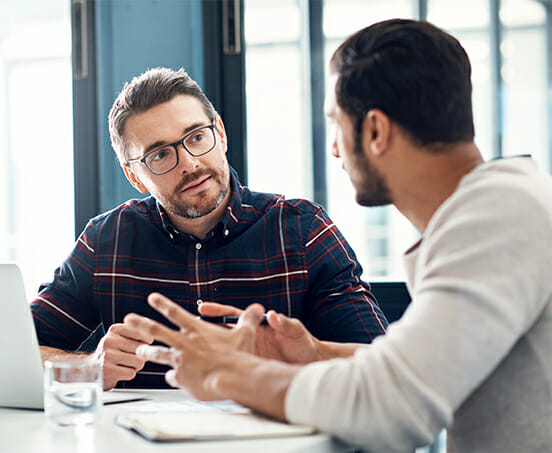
x,y
263,65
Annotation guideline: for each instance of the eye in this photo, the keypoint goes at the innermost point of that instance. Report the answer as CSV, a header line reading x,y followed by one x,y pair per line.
x,y
196,137
159,155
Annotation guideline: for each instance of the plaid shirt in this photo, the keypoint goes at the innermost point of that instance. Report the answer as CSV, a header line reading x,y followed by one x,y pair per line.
x,y
285,254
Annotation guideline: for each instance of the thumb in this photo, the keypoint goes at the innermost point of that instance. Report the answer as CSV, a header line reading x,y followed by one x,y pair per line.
x,y
251,317
289,327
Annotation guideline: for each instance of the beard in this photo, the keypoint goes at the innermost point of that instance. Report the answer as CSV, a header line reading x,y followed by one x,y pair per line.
x,y
373,190
208,201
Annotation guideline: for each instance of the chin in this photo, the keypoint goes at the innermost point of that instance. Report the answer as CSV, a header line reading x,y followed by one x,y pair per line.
x,y
206,206
373,201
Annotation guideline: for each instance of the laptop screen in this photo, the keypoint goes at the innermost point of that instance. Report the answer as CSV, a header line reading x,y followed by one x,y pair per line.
x,y
21,381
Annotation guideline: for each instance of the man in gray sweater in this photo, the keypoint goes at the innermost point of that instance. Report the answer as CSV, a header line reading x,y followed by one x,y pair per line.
x,y
473,351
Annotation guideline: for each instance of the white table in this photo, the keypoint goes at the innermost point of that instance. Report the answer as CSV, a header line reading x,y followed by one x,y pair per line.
x,y
25,431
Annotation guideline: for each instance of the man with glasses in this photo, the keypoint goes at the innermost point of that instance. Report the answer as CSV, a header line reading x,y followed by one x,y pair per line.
x,y
200,237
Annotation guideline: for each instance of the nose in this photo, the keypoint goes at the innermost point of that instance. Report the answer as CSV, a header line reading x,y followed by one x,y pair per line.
x,y
333,147
186,162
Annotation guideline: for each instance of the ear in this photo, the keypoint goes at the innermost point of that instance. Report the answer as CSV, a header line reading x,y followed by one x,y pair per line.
x,y
133,179
219,126
376,130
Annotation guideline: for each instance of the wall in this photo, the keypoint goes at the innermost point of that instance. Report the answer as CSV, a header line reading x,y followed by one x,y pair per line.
x,y
132,36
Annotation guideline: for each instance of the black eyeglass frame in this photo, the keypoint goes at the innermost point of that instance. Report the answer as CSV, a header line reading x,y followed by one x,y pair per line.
x,y
175,146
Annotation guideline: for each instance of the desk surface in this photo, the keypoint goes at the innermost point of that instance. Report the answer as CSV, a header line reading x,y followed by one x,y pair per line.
x,y
23,431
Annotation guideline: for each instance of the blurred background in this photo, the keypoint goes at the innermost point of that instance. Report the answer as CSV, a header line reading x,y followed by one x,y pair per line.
x,y
263,64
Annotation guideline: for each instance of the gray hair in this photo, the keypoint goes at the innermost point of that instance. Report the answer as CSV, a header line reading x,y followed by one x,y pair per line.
x,y
153,87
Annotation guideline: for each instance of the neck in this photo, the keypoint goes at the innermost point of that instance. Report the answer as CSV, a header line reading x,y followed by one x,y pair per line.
x,y
427,177
200,226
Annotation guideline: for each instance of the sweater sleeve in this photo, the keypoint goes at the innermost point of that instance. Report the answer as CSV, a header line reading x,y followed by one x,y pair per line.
x,y
481,281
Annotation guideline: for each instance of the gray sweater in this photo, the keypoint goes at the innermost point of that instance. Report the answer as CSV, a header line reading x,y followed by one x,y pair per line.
x,y
473,352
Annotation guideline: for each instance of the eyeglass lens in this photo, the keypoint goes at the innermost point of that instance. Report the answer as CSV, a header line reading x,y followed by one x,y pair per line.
x,y
197,143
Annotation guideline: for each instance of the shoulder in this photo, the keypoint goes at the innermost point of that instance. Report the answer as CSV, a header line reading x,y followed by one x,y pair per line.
x,y
135,208
507,190
265,202
502,207
491,240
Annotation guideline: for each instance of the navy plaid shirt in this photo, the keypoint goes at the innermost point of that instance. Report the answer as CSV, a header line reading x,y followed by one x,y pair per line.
x,y
285,254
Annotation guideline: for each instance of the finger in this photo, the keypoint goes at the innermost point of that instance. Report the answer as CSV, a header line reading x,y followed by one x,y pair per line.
x,y
214,309
173,312
123,359
130,346
112,372
289,327
156,330
124,330
170,377
157,354
252,316
116,342
273,319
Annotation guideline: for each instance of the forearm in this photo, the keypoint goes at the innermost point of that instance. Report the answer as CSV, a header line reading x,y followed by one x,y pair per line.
x,y
331,350
49,353
266,385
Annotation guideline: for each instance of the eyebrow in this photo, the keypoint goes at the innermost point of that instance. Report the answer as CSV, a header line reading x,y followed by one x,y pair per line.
x,y
159,143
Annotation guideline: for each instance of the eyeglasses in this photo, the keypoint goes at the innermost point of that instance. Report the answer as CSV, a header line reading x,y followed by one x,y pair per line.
x,y
164,159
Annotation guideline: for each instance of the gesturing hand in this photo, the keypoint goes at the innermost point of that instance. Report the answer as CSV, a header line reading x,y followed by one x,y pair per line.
x,y
285,339
117,351
198,348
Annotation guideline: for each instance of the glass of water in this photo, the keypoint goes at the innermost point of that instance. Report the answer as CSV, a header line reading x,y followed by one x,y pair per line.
x,y
73,391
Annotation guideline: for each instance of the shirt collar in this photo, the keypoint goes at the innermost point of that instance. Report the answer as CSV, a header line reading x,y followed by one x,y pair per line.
x,y
234,208
167,225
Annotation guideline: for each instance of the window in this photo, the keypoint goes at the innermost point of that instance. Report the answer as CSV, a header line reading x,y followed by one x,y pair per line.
x,y
506,43
378,235
523,71
36,153
277,98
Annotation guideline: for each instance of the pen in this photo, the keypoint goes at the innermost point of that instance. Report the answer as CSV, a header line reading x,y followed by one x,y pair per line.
x,y
227,319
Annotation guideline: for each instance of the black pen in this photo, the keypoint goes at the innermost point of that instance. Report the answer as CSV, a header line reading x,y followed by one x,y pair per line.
x,y
227,319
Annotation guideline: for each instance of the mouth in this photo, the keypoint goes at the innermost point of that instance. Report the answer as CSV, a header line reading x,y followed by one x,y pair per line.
x,y
197,184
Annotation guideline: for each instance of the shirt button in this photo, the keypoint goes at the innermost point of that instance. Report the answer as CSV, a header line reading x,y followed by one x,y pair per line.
x,y
226,232
198,246
199,301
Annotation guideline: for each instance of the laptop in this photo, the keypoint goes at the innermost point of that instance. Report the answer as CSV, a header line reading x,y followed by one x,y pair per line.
x,y
21,375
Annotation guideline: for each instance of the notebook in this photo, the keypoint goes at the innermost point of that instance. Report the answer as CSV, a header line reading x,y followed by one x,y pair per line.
x,y
21,378
207,425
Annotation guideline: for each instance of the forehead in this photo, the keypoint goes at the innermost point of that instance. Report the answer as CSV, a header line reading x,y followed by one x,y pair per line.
x,y
166,121
182,108
330,103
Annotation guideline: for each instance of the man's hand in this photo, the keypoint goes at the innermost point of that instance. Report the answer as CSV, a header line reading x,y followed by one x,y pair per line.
x,y
117,351
285,339
199,349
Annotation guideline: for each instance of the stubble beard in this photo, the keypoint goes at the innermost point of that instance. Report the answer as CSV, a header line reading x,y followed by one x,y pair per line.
x,y
373,191
207,204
